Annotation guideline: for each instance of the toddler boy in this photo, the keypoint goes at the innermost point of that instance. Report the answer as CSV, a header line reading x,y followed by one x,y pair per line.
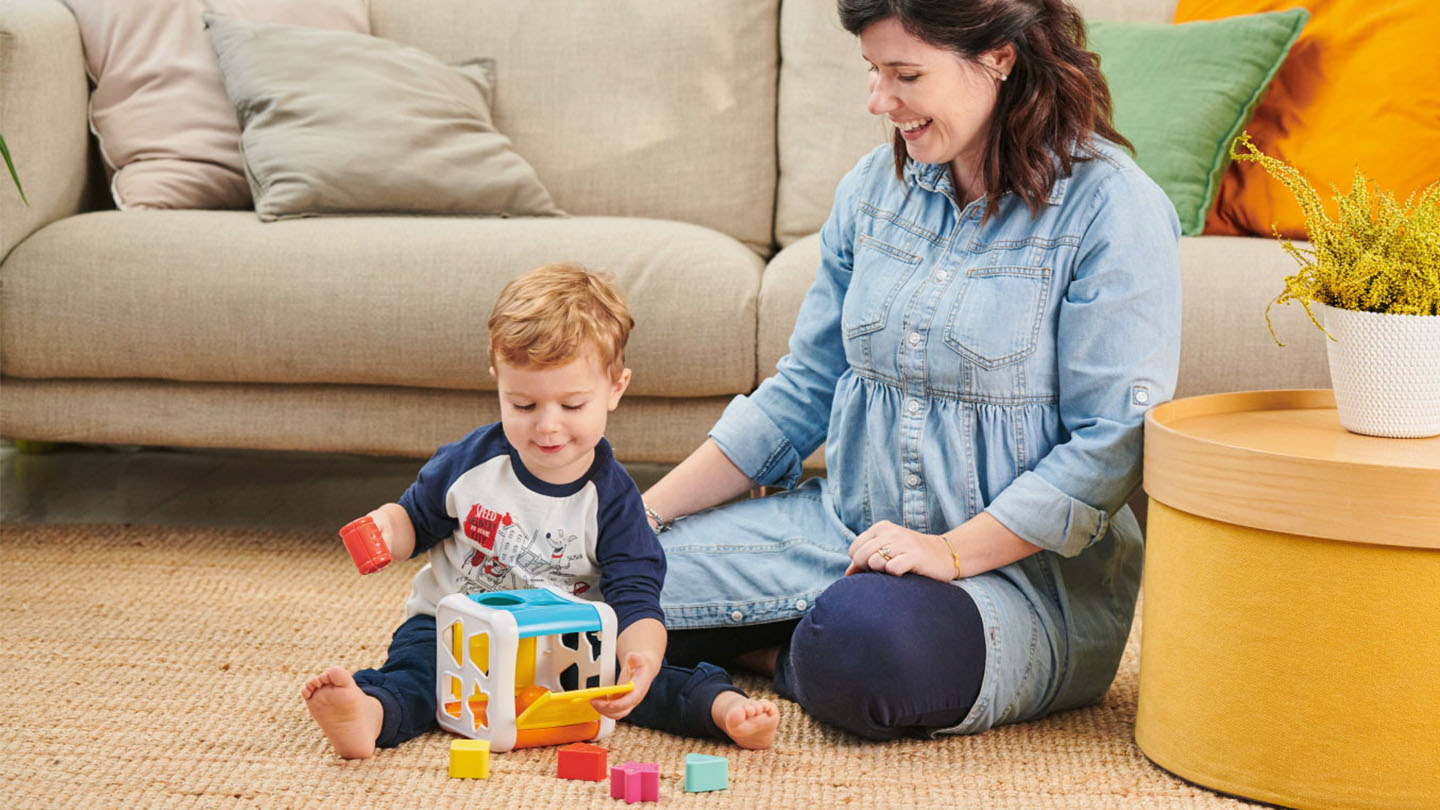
x,y
536,499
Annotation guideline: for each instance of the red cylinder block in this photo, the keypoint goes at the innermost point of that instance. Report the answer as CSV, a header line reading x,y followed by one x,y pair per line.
x,y
367,548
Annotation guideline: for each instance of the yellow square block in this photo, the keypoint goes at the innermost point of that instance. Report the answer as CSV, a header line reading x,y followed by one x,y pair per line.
x,y
469,759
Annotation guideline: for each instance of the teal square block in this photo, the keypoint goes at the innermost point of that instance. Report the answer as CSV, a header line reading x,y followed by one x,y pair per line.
x,y
704,772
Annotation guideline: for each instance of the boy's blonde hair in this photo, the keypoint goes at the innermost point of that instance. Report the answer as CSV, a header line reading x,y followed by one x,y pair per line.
x,y
558,312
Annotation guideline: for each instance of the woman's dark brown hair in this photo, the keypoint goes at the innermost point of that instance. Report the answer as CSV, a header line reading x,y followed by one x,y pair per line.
x,y
1053,102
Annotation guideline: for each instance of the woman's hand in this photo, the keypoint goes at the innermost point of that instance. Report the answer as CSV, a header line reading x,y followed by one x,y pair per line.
x,y
894,549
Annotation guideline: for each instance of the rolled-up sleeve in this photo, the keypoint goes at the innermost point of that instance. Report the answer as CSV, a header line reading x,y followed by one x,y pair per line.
x,y
752,440
1119,339
769,433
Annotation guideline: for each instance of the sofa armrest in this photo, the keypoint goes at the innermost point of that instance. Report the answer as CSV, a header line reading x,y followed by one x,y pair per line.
x,y
44,98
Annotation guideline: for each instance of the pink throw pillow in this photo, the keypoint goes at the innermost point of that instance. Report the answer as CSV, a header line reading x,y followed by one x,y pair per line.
x,y
167,131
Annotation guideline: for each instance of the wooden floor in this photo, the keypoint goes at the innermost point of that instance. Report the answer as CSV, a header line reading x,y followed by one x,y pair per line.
x,y
218,488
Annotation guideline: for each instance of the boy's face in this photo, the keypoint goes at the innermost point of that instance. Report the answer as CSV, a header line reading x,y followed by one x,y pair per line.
x,y
555,416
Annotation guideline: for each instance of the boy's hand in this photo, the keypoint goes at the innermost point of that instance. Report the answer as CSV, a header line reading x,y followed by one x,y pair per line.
x,y
385,522
365,541
639,668
396,537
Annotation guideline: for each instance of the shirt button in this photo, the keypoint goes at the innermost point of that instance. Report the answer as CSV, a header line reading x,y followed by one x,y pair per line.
x,y
801,604
736,615
941,276
913,406
914,338
912,479
1141,396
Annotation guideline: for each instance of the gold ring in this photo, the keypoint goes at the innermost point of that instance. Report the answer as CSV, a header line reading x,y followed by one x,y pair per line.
x,y
884,552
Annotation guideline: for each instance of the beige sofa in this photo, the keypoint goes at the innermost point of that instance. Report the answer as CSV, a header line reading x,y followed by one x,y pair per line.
x,y
695,145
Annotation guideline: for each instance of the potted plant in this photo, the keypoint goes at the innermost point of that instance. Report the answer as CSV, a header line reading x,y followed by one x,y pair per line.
x,y
10,164
1374,273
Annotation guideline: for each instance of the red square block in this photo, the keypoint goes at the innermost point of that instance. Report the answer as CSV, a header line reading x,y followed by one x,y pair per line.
x,y
582,761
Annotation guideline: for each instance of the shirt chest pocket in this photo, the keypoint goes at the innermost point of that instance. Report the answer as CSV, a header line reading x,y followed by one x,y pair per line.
x,y
996,318
880,270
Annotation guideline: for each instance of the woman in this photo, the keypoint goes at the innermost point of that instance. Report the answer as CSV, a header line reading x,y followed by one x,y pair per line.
x,y
998,303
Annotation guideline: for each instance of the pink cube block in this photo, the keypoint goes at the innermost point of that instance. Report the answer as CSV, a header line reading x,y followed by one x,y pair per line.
x,y
635,782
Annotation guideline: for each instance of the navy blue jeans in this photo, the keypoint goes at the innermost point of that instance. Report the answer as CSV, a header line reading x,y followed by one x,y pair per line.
x,y
678,701
877,655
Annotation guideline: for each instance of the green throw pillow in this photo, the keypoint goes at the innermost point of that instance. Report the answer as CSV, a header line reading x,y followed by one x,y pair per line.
x,y
1183,92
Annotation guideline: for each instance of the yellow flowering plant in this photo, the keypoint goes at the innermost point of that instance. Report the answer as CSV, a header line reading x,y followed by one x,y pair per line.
x,y
1375,256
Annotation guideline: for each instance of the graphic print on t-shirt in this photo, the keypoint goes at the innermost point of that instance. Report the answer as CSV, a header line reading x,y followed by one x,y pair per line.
x,y
543,557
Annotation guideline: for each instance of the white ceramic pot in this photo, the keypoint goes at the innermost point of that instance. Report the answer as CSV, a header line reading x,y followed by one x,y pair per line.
x,y
1385,370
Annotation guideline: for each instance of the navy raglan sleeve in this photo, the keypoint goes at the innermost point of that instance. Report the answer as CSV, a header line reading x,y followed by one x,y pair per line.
x,y
424,501
632,564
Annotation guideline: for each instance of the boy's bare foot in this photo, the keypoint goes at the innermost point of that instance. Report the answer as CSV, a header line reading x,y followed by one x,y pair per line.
x,y
750,723
350,718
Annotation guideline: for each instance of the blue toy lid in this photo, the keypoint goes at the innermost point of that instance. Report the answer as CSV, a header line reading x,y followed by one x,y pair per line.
x,y
542,612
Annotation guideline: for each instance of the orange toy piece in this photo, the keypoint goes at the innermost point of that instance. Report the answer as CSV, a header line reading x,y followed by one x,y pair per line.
x,y
582,761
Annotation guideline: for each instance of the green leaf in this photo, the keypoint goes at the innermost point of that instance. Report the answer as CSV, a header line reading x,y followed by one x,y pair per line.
x,y
10,164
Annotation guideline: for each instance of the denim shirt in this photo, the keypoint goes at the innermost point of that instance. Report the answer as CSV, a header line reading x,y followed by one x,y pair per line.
x,y
953,366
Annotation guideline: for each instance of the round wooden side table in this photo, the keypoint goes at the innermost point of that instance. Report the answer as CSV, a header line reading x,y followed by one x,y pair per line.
x,y
1290,645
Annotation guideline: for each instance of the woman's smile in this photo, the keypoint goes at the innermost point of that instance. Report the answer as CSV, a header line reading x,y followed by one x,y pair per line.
x,y
913,130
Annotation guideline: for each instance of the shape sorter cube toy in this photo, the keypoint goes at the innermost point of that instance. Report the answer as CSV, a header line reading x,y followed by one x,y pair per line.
x,y
469,759
704,772
500,660
635,782
581,761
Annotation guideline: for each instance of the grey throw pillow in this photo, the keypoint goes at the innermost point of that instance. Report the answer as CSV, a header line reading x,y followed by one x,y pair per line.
x,y
336,122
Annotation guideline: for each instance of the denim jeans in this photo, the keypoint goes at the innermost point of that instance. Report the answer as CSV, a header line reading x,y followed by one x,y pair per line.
x,y
678,701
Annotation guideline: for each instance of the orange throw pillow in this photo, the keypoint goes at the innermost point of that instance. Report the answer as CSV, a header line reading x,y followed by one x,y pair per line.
x,y
1361,87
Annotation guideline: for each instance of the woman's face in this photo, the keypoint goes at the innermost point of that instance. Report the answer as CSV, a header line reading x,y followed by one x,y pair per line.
x,y
940,102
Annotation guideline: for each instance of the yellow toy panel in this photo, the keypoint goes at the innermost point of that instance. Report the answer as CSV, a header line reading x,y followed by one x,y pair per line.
x,y
567,708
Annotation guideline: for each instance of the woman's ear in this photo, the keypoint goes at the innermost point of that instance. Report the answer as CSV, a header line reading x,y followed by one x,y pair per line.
x,y
1000,61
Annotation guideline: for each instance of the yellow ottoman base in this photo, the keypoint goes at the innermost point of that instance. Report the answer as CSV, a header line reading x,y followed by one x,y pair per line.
x,y
1297,671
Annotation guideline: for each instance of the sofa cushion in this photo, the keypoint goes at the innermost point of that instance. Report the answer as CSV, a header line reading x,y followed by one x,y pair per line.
x,y
165,127
379,420
336,122
221,297
622,110
1226,283
823,126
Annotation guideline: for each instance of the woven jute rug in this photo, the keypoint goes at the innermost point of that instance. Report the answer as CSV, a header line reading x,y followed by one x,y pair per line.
x,y
157,667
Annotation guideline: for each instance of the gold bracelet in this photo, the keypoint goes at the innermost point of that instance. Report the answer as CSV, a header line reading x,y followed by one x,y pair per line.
x,y
954,556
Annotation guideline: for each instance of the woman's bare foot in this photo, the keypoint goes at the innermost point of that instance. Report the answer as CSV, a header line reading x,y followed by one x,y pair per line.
x,y
350,718
750,723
